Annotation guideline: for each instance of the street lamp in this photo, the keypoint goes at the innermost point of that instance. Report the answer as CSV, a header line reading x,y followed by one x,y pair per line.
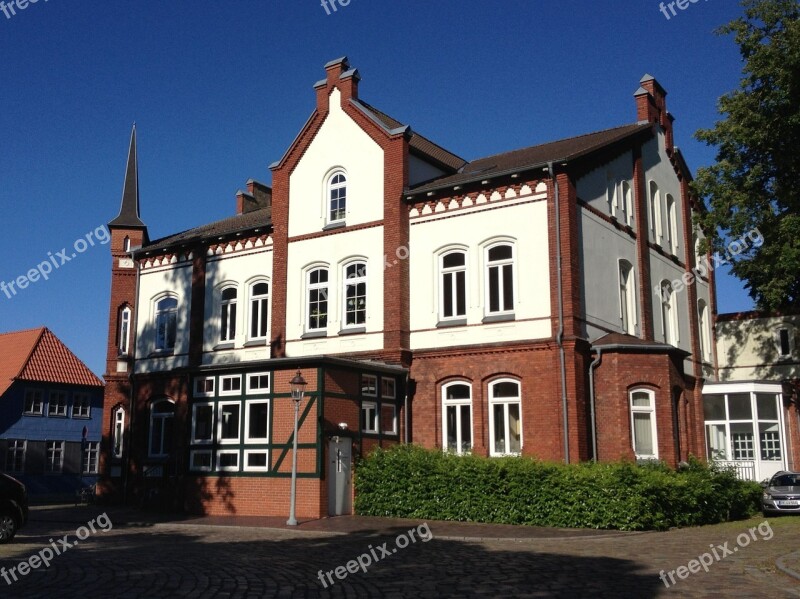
x,y
298,386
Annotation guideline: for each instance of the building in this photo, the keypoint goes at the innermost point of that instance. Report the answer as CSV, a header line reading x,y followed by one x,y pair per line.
x,y
547,301
51,409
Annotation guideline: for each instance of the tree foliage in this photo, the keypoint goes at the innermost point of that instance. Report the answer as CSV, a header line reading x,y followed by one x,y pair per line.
x,y
755,182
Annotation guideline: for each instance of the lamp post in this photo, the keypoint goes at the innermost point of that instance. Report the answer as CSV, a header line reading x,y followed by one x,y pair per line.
x,y
298,386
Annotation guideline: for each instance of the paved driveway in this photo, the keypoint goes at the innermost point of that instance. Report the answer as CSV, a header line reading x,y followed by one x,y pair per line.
x,y
201,558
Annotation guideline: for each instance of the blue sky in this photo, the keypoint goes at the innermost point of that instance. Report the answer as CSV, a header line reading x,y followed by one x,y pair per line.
x,y
219,90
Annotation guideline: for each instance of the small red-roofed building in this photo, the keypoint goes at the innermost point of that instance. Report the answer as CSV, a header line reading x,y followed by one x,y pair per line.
x,y
51,411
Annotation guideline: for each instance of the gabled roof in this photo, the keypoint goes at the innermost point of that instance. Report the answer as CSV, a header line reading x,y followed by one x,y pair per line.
x,y
38,355
261,218
555,151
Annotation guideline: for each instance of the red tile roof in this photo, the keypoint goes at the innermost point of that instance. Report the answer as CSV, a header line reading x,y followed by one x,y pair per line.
x,y
38,355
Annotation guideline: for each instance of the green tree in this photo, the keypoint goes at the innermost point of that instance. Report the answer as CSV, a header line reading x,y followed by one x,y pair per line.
x,y
755,183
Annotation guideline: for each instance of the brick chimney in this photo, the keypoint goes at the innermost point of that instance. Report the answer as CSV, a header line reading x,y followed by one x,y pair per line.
x,y
337,74
651,106
256,197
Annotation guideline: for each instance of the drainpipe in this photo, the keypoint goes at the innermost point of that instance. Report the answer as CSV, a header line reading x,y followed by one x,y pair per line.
x,y
131,411
560,334
592,366
405,410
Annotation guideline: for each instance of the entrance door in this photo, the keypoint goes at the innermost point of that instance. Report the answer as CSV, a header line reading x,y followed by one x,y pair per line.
x,y
339,476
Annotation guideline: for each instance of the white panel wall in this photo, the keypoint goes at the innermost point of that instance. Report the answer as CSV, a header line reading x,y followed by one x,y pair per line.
x,y
524,222
340,143
153,283
334,251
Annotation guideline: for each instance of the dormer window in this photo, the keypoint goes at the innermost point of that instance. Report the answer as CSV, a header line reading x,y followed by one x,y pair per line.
x,y
337,198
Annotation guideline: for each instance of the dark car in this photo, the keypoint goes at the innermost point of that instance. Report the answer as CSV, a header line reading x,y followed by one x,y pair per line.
x,y
782,494
13,507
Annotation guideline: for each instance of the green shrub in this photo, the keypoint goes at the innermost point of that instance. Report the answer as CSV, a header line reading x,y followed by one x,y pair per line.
x,y
408,481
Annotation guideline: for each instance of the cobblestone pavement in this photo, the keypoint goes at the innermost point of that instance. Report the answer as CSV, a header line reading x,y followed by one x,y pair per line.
x,y
201,558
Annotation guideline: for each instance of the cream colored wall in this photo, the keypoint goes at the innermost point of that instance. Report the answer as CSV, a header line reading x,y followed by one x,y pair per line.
x,y
748,349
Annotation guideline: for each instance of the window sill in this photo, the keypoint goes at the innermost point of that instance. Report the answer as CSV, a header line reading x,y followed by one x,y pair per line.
x,y
314,335
336,225
222,346
353,331
161,353
459,322
256,343
498,318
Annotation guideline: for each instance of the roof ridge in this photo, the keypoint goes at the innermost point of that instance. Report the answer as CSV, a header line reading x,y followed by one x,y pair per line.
x,y
209,224
23,331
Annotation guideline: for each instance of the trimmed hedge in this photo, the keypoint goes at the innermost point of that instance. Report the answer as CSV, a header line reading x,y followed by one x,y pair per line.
x,y
408,481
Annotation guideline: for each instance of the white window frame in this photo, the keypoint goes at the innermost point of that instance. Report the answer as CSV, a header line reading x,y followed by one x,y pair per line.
x,y
506,402
40,402
198,452
16,451
330,186
259,313
611,195
457,403
247,453
669,314
195,406
203,391
118,439
627,297
247,404
236,452
251,390
57,449
627,203
500,265
388,388
78,400
393,429
366,406
374,384
90,457
324,295
703,323
672,223
124,333
453,273
361,278
651,410
170,315
654,196
220,407
165,417
229,377
59,413
228,312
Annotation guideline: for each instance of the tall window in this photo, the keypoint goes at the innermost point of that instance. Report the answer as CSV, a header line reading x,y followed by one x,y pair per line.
x,y
203,422
457,417
453,285
119,432
317,299
500,278
259,310
124,335
705,330
627,297
162,415
15,455
355,294
643,424
337,197
785,342
627,203
228,422
505,424
91,452
55,456
227,319
669,317
126,244
166,323
672,225
655,212
611,195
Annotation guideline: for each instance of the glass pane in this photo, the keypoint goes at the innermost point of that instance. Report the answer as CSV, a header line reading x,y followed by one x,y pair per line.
x,y
716,442
714,407
230,421
261,289
451,428
499,428
257,460
453,260
642,435
505,389
461,293
229,293
447,294
508,288
742,441
228,460
466,429
458,392
640,399
514,428
784,339
202,423
155,435
494,289
258,420
767,406
500,252
770,438
739,407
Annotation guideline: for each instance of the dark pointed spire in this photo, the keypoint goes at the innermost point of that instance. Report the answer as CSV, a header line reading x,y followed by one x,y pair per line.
x,y
129,209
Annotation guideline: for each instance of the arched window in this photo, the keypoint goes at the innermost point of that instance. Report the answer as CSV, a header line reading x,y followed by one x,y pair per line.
x,y
126,244
337,197
505,418
259,310
669,314
453,285
643,424
124,331
672,225
227,323
355,294
162,416
705,330
627,298
317,294
166,323
655,212
457,417
500,278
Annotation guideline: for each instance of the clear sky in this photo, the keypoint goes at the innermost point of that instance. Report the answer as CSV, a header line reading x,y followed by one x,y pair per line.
x,y
218,91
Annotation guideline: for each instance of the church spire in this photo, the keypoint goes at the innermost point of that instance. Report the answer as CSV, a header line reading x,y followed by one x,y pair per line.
x,y
129,209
